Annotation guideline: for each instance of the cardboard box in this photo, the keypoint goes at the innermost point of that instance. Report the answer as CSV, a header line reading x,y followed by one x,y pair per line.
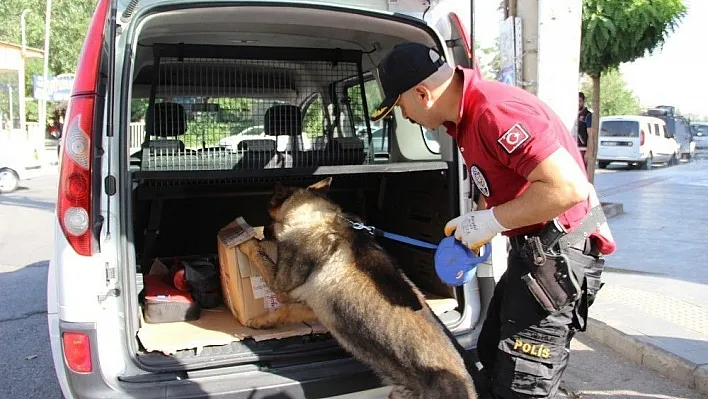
x,y
244,290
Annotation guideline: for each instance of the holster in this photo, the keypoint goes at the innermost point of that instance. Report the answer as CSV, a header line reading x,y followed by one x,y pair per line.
x,y
552,279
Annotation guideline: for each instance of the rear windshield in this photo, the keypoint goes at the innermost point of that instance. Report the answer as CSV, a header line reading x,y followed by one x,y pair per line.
x,y
619,129
700,130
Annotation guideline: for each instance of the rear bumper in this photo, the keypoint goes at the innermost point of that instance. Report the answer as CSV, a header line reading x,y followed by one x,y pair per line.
x,y
619,158
336,379
703,144
342,378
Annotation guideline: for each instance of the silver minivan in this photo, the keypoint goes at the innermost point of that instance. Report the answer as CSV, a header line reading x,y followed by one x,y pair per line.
x,y
144,179
636,140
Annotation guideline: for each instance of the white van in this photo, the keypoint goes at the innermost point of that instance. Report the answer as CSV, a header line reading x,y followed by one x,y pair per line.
x,y
201,70
637,140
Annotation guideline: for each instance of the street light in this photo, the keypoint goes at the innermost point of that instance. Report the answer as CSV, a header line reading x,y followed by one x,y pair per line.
x,y
21,76
43,102
12,116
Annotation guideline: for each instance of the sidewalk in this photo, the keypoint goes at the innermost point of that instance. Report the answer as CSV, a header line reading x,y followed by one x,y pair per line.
x,y
654,306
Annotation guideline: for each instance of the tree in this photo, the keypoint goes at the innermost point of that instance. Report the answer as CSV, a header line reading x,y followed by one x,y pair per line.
x,y
696,117
619,31
617,98
68,25
489,59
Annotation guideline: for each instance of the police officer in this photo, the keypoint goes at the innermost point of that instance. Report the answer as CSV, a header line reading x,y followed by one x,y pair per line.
x,y
529,171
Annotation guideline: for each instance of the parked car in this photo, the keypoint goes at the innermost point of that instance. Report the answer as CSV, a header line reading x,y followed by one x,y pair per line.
x,y
115,219
19,161
677,126
700,134
379,140
239,141
636,140
381,145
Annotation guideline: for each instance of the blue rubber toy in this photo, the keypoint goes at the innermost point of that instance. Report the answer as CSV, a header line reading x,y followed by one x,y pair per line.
x,y
456,264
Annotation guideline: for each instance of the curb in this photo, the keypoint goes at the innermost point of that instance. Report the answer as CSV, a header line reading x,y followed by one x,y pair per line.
x,y
612,209
641,351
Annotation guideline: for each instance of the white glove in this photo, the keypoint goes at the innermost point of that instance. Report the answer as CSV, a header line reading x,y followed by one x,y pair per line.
x,y
474,229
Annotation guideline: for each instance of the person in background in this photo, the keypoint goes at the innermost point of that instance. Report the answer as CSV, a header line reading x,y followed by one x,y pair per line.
x,y
584,120
58,126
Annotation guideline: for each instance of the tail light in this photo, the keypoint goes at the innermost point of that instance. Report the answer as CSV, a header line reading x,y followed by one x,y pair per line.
x,y
77,352
75,191
641,137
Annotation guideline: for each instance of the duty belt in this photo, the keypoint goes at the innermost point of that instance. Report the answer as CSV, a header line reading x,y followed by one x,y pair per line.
x,y
553,233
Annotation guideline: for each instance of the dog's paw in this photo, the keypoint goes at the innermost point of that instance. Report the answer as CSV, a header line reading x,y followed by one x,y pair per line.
x,y
259,324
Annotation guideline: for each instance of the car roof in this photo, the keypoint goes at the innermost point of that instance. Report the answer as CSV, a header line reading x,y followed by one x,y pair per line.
x,y
637,118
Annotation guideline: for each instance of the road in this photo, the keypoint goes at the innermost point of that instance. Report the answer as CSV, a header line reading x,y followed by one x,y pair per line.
x,y
656,202
25,248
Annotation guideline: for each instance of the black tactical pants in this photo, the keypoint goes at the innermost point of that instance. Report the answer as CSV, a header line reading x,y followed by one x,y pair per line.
x,y
524,350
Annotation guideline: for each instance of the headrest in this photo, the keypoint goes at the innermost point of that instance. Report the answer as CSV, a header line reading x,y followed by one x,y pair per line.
x,y
165,120
283,120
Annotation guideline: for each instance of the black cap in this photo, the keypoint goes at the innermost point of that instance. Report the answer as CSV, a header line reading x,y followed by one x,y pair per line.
x,y
405,66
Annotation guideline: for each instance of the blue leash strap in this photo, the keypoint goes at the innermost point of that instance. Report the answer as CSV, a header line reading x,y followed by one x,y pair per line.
x,y
392,236
408,240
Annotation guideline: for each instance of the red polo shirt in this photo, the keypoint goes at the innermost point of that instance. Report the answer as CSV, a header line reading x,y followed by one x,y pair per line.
x,y
504,132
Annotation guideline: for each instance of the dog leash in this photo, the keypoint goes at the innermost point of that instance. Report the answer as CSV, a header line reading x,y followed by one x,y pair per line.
x,y
391,236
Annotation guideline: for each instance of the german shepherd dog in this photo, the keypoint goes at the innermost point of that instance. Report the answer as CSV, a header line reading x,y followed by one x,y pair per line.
x,y
356,291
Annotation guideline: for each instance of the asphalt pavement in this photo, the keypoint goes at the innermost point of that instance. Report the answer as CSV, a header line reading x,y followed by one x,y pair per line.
x,y
25,248
654,305
26,219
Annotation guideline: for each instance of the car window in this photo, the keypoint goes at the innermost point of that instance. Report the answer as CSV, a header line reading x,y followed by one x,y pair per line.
x,y
373,97
313,124
620,129
372,93
700,130
431,140
666,134
656,130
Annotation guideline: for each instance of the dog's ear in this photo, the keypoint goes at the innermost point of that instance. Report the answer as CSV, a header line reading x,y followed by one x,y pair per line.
x,y
321,186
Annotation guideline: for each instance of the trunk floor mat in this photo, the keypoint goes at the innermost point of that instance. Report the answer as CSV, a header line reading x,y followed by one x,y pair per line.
x,y
217,327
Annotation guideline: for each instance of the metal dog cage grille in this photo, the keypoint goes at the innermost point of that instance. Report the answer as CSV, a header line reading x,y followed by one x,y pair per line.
x,y
253,113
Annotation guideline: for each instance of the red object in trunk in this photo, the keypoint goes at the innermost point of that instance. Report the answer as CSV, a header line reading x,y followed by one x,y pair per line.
x,y
179,280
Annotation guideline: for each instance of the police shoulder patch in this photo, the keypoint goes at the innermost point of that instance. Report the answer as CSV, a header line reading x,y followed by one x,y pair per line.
x,y
479,180
514,138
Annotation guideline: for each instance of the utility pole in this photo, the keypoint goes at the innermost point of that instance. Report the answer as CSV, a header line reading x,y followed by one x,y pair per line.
x,y
42,112
551,53
21,75
12,116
